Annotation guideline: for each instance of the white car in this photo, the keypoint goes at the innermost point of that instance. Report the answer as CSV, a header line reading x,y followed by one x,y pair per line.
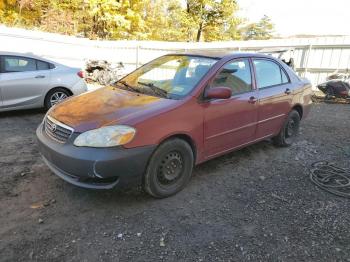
x,y
28,81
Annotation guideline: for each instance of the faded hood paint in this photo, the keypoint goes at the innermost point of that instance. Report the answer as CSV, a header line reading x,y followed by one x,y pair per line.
x,y
107,106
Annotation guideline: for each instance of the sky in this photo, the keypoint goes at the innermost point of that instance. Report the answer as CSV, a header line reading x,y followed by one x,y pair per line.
x,y
295,17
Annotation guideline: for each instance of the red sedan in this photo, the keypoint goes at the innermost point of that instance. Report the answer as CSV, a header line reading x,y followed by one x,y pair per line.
x,y
155,124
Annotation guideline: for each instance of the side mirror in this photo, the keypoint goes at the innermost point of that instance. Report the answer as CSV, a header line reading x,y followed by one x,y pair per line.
x,y
218,93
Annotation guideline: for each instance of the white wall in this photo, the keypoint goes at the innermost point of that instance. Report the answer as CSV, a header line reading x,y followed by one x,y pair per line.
x,y
325,55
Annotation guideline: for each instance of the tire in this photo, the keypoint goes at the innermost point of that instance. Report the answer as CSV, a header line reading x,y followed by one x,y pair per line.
x,y
56,94
169,169
289,131
329,94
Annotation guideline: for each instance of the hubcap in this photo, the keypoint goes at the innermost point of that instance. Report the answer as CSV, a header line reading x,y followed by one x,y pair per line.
x,y
57,98
170,168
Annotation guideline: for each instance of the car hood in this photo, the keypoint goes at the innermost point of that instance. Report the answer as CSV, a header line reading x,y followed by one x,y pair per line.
x,y
108,106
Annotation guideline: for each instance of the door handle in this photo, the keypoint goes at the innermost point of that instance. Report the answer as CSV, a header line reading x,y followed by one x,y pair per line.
x,y
252,100
40,77
287,91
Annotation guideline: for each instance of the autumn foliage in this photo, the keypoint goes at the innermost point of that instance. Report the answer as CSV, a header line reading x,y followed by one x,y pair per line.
x,y
167,20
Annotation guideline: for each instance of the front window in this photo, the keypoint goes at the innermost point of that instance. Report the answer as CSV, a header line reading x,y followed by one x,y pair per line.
x,y
171,76
235,75
18,64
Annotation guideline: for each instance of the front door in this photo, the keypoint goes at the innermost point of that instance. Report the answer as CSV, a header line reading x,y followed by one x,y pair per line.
x,y
230,123
21,83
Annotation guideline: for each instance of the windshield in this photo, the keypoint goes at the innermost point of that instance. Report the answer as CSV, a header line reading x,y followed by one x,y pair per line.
x,y
171,76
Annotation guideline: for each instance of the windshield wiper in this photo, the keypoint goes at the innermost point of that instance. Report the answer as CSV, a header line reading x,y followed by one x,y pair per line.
x,y
159,91
129,87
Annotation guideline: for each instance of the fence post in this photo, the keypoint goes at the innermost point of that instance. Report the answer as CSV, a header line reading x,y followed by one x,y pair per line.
x,y
137,55
307,60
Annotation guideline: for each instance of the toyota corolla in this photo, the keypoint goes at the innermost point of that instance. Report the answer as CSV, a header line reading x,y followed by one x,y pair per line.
x,y
155,124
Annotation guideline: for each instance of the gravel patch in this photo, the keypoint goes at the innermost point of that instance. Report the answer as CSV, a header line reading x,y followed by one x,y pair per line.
x,y
255,204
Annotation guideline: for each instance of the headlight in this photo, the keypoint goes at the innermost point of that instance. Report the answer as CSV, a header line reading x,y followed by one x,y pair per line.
x,y
107,136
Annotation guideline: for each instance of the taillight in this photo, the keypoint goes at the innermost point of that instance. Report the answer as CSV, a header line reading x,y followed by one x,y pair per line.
x,y
344,93
80,74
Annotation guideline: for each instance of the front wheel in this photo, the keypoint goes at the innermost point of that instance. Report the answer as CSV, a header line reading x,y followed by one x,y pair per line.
x,y
289,131
169,169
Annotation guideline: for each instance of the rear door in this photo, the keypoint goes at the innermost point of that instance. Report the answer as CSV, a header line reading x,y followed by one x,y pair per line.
x,y
23,80
275,96
230,123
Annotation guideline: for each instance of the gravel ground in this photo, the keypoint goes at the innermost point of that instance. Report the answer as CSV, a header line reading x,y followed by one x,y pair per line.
x,y
254,204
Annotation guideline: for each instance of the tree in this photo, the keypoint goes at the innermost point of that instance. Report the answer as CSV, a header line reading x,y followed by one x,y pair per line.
x,y
259,31
213,17
167,20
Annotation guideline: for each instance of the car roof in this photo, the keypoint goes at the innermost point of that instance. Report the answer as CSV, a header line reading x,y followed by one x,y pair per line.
x,y
229,55
29,55
219,54
276,49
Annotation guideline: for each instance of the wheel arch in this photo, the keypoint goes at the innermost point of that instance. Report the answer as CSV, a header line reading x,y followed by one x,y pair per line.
x,y
299,109
56,87
187,138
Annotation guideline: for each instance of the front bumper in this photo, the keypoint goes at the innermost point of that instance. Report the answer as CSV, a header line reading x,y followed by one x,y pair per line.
x,y
97,168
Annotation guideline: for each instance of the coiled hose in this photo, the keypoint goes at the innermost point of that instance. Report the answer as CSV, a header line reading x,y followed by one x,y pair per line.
x,y
331,178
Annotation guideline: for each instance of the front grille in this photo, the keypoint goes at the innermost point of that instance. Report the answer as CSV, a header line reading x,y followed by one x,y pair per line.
x,y
56,130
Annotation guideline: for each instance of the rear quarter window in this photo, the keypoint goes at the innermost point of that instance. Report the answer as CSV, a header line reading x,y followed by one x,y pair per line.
x,y
285,78
41,65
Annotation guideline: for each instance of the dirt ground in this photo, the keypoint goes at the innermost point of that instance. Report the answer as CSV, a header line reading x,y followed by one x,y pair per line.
x,y
255,204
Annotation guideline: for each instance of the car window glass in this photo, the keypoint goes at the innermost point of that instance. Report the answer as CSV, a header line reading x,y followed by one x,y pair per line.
x,y
19,64
284,77
177,75
235,75
42,65
268,73
164,72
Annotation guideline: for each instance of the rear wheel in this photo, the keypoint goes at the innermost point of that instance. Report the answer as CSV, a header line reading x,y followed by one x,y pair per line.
x,y
55,96
169,169
330,93
289,131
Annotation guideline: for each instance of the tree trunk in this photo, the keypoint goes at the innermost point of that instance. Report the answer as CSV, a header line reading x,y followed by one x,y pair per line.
x,y
199,32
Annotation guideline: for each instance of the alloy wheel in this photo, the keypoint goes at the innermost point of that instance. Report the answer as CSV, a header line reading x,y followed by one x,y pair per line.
x,y
57,97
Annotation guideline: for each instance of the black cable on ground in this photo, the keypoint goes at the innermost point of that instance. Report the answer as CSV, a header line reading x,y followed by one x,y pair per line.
x,y
331,178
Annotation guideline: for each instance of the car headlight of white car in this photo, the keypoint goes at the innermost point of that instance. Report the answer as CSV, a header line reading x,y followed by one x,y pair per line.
x,y
106,136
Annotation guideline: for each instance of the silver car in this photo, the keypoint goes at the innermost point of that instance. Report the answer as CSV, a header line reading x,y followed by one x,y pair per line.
x,y
28,81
